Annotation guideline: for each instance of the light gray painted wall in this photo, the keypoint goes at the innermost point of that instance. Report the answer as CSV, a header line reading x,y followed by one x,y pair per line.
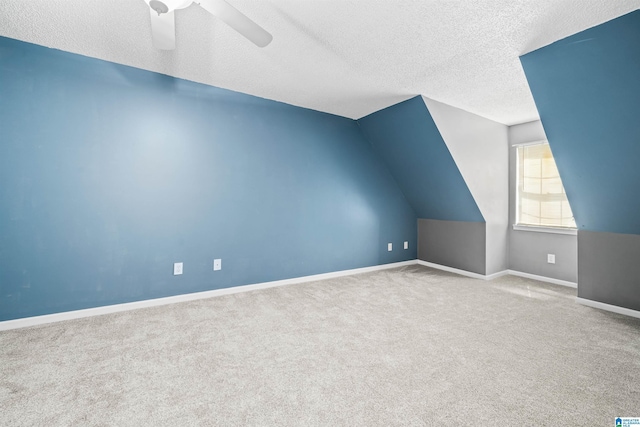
x,y
527,132
609,268
528,250
455,244
479,147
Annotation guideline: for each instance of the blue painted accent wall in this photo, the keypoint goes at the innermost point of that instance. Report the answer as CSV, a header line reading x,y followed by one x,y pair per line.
x,y
587,90
110,174
408,140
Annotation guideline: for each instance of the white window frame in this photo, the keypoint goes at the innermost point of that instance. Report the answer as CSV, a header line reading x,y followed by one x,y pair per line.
x,y
534,228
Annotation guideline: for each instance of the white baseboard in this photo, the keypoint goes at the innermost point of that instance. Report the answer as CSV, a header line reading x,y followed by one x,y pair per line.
x,y
543,278
608,307
496,275
461,272
97,311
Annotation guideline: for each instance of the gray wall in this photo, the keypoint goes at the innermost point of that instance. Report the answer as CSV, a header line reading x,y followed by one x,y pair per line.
x,y
527,249
456,244
609,268
479,147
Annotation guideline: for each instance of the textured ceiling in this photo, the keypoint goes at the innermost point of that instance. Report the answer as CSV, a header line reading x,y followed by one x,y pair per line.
x,y
348,57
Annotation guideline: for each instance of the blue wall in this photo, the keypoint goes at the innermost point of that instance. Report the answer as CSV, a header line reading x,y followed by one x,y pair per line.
x,y
408,139
587,90
110,174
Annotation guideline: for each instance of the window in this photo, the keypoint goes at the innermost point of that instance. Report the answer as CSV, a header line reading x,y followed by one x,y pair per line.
x,y
541,199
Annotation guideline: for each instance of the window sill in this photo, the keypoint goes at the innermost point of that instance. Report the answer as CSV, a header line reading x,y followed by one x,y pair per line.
x,y
553,230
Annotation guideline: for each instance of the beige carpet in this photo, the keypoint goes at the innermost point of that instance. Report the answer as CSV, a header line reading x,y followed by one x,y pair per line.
x,y
408,346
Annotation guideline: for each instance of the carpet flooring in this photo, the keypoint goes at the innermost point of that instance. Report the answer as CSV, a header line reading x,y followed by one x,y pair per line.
x,y
409,346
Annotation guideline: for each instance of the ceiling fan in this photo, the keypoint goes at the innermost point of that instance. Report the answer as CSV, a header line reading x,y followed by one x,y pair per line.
x,y
163,21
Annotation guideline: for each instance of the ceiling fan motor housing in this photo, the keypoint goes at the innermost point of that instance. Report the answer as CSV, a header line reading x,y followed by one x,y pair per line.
x,y
166,6
163,21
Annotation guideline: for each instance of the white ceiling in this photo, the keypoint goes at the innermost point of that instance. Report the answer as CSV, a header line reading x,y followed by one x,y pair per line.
x,y
348,57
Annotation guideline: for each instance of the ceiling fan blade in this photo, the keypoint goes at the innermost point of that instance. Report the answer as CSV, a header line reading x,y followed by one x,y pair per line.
x,y
163,30
236,20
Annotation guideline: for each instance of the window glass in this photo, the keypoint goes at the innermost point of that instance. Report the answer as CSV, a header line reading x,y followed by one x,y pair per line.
x,y
541,198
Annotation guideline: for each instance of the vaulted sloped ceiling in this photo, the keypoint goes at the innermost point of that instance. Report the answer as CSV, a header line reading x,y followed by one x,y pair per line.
x,y
587,89
349,58
409,141
588,93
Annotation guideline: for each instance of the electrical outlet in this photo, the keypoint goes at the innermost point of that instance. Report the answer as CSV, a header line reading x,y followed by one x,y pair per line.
x,y
406,245
177,268
217,264
551,258
390,247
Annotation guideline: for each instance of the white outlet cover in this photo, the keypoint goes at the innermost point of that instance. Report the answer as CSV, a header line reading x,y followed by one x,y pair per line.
x,y
406,245
177,268
390,247
551,258
217,264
